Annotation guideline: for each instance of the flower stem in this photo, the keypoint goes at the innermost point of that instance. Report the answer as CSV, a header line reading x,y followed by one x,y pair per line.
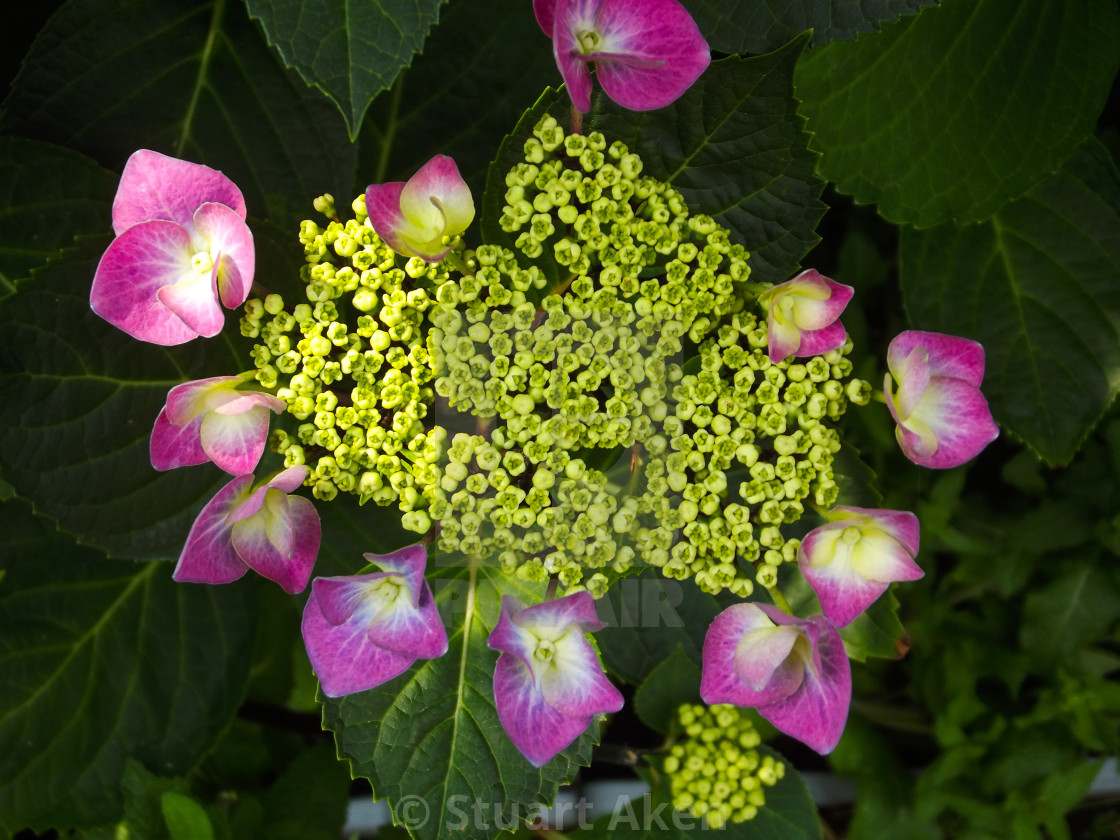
x,y
577,120
779,600
390,130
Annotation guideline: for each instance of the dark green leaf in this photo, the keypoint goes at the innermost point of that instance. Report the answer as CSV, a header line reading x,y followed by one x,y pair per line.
x,y
762,25
430,740
884,805
949,114
1037,287
308,801
350,49
647,616
735,147
192,79
102,660
856,480
455,100
48,195
186,819
143,794
673,682
1069,613
877,632
350,530
77,401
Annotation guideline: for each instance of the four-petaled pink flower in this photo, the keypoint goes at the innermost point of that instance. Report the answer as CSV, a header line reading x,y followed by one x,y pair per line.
x,y
803,315
260,528
363,630
851,560
182,243
548,683
646,52
210,420
943,419
793,671
415,217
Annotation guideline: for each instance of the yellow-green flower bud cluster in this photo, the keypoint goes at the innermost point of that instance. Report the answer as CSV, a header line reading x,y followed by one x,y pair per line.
x,y
717,773
353,366
619,232
539,518
585,365
743,444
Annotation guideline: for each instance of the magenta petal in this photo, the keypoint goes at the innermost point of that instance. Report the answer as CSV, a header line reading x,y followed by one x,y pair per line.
x,y
383,205
656,50
155,186
235,442
545,12
575,684
553,616
135,266
949,355
343,658
209,556
815,714
720,680
535,728
230,237
188,400
958,415
409,562
438,183
251,540
340,597
289,480
783,340
900,524
819,342
573,69
194,299
843,598
510,637
176,446
414,630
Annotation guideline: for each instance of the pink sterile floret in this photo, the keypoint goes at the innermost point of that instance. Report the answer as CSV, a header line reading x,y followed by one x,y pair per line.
x,y
803,315
647,53
943,419
548,683
262,528
851,560
414,217
210,420
362,630
793,671
182,250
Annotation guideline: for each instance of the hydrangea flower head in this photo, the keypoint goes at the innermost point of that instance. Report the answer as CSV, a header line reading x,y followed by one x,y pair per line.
x,y
548,683
363,630
803,315
182,250
793,671
260,528
646,52
943,419
210,420
415,217
851,560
